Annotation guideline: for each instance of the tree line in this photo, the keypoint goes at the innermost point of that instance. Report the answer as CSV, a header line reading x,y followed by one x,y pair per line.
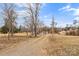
x,y
32,21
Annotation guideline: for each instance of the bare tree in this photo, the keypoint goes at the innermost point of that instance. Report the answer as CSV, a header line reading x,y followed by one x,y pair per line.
x,y
53,24
9,16
40,27
32,11
74,23
27,24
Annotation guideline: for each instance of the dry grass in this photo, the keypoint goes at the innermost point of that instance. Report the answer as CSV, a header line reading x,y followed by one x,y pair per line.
x,y
57,45
18,37
4,42
16,34
63,45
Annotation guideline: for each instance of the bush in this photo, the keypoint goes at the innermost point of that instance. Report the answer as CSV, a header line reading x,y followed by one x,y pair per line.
x,y
73,32
5,29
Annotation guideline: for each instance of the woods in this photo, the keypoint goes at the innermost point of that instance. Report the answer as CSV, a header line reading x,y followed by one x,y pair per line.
x,y
32,20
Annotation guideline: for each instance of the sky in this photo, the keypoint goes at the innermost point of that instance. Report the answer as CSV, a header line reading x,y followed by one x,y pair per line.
x,y
63,13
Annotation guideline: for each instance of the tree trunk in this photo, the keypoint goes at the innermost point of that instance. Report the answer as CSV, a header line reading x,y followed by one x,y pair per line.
x,y
9,35
11,27
35,31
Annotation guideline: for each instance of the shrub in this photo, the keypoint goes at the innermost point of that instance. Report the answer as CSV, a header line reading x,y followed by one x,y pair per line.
x,y
5,29
73,32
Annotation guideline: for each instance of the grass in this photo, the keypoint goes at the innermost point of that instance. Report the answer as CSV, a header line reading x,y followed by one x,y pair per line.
x,y
4,42
57,45
63,45
18,37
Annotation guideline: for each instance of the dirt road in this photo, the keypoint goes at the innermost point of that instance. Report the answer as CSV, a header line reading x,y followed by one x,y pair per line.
x,y
27,48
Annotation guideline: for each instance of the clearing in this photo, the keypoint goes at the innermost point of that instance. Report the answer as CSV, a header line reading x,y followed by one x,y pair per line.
x,y
44,45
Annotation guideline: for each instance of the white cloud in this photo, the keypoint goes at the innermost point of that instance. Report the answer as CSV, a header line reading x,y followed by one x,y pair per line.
x,y
48,16
21,13
76,12
76,18
68,8
21,5
45,16
25,4
65,8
